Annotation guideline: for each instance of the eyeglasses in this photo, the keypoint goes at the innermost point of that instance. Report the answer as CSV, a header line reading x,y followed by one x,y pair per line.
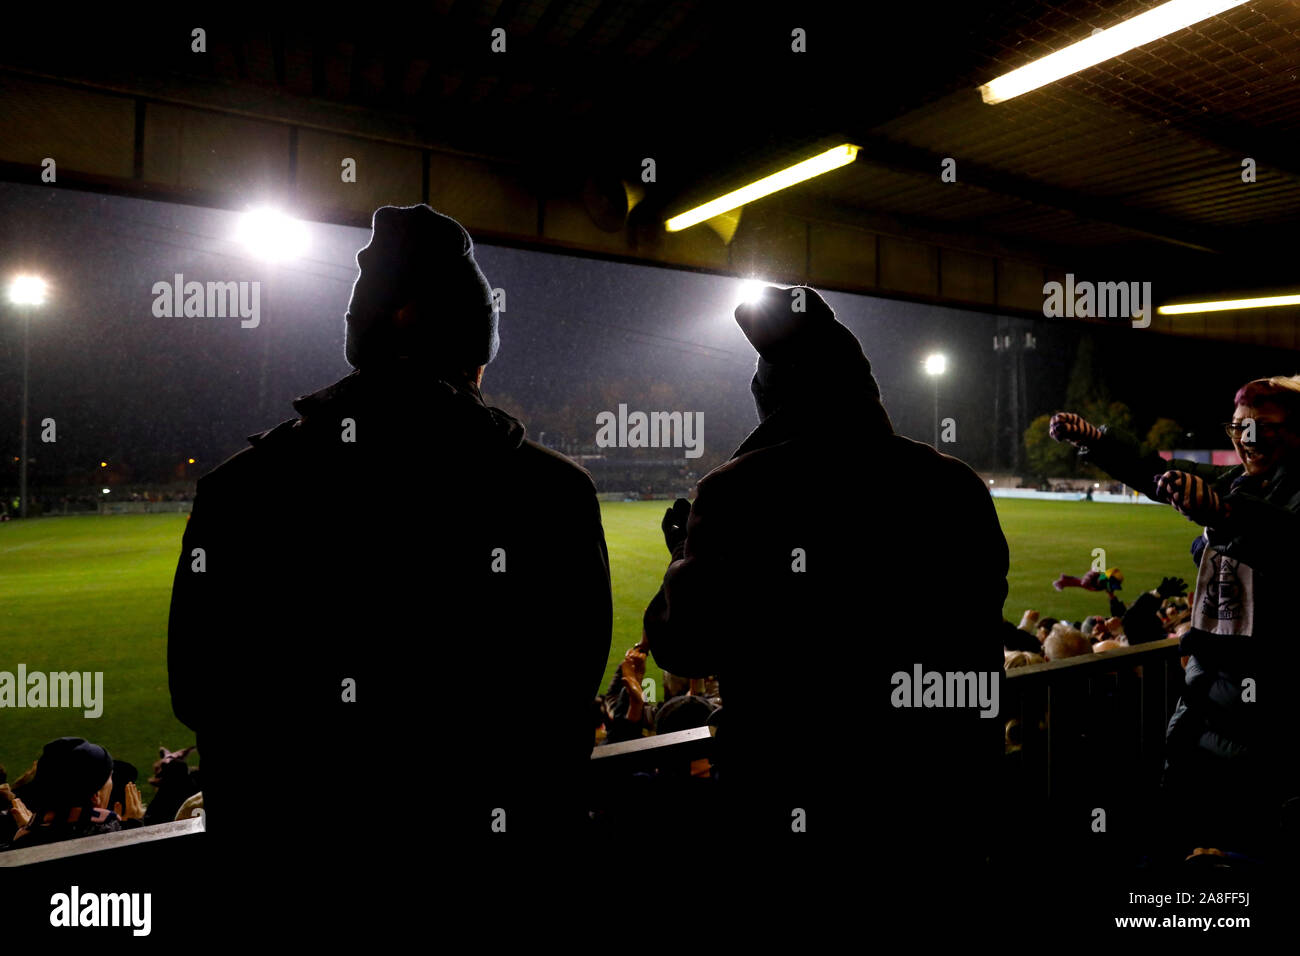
x,y
1265,430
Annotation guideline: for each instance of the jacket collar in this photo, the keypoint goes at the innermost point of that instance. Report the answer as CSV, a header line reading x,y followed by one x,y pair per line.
x,y
403,380
862,418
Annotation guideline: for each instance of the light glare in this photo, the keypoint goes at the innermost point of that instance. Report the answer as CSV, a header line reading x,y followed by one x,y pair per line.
x,y
750,291
27,290
935,364
271,235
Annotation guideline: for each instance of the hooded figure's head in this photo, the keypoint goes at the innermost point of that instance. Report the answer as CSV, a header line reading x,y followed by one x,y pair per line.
x,y
420,295
806,357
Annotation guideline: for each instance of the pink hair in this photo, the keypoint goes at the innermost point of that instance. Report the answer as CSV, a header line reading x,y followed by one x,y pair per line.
x,y
1282,391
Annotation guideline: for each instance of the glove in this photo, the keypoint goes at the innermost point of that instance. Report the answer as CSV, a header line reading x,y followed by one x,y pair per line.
x,y
1172,587
1192,497
674,524
1066,426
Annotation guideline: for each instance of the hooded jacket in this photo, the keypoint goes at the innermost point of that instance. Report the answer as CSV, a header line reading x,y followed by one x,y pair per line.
x,y
365,568
808,558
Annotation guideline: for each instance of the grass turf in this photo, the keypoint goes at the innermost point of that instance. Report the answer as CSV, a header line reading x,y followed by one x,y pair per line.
x,y
91,594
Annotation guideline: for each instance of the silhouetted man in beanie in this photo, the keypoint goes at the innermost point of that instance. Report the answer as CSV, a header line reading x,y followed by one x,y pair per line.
x,y
333,659
811,559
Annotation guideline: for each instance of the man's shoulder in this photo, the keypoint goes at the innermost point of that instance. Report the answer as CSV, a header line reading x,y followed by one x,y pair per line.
x,y
892,457
916,462
547,465
790,454
266,450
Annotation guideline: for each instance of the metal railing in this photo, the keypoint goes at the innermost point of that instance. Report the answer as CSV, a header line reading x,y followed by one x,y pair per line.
x,y
46,852
650,753
1140,687
1143,681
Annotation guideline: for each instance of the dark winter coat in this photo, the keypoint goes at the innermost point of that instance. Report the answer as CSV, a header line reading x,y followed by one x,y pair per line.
x,y
903,563
416,560
1213,721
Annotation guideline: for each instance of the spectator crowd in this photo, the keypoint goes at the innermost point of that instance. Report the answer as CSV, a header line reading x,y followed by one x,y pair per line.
x,y
76,788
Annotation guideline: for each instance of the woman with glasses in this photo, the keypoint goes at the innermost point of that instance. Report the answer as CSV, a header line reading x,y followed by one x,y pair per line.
x,y
1231,753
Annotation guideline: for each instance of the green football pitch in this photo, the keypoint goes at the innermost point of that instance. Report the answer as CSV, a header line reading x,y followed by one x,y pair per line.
x,y
91,594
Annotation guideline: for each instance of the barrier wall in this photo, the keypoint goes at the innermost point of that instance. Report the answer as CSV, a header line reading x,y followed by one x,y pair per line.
x,y
144,507
1105,497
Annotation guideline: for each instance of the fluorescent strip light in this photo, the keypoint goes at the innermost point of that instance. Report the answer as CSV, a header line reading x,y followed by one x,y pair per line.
x,y
1133,32
1226,305
821,163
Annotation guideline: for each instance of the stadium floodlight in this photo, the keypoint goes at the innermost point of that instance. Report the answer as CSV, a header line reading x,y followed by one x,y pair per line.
x,y
935,365
821,163
1225,305
750,291
1103,45
272,235
27,290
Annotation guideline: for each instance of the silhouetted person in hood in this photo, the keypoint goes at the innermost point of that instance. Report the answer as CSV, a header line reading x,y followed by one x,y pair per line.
x,y
331,641
812,558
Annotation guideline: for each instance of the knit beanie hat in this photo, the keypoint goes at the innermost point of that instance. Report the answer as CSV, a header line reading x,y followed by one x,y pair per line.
x,y
419,257
70,770
804,353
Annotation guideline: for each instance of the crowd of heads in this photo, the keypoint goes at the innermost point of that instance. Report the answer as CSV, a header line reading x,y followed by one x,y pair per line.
x,y
624,712
1161,613
76,788
1095,634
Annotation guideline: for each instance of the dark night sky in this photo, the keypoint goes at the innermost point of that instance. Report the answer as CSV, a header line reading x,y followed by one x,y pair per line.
x,y
124,385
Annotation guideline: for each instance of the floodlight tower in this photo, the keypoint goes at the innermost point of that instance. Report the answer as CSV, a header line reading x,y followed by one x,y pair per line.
x,y
935,365
1012,339
275,238
26,292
